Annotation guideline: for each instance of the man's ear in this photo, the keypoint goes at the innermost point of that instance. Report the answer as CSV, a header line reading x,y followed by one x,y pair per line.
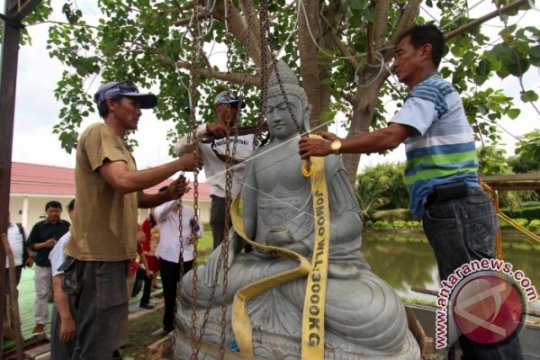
x,y
427,51
111,104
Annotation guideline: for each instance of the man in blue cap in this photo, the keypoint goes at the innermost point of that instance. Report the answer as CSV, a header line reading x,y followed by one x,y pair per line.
x,y
213,139
109,189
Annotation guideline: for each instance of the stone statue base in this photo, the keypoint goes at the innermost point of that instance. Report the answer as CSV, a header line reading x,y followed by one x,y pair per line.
x,y
267,343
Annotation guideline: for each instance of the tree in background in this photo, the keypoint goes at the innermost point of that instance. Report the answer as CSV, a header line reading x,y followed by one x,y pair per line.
x,y
527,151
382,187
341,49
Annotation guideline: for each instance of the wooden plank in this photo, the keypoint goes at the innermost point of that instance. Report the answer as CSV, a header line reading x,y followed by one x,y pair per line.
x,y
159,349
530,181
162,347
514,185
425,342
510,177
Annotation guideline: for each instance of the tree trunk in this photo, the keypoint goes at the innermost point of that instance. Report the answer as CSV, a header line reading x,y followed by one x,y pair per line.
x,y
308,34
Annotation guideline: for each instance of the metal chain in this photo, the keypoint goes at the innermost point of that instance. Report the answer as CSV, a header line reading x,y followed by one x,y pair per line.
x,y
193,142
263,16
265,35
228,189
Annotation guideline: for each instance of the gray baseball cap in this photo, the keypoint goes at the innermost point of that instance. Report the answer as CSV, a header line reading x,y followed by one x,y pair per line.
x,y
228,97
127,89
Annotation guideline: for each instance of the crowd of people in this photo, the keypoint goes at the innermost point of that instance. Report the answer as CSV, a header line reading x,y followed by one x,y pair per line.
x,y
86,263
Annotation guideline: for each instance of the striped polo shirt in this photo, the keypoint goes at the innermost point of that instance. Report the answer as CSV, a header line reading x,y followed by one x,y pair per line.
x,y
442,150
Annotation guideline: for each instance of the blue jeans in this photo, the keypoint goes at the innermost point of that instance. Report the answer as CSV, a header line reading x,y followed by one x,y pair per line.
x,y
461,230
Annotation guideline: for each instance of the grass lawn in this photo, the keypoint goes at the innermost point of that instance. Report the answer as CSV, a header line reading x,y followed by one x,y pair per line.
x,y
141,328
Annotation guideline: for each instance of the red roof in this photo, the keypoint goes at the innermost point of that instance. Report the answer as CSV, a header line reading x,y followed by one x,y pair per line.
x,y
34,179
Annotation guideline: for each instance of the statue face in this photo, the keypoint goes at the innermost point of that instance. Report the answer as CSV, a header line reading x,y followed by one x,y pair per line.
x,y
280,123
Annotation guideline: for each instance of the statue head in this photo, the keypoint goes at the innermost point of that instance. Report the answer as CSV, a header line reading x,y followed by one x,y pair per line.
x,y
280,123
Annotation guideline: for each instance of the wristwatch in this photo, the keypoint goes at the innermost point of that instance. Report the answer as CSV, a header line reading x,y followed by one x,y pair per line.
x,y
336,146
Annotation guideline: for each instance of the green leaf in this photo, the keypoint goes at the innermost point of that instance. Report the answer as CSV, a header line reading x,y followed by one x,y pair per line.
x,y
534,55
513,113
529,96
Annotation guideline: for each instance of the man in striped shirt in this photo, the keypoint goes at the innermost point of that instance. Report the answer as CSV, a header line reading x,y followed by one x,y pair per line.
x,y
441,172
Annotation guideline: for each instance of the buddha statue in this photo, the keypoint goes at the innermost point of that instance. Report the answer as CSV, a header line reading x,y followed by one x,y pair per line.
x,y
364,318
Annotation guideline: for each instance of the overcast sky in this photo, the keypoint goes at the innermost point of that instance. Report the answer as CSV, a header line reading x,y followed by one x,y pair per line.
x,y
37,110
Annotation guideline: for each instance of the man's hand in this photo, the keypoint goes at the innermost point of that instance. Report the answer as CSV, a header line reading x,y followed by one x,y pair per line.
x,y
192,239
178,187
49,244
68,330
140,237
29,261
190,162
218,130
316,147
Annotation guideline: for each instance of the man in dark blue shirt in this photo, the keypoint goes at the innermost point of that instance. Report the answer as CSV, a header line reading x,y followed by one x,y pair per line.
x,y
42,239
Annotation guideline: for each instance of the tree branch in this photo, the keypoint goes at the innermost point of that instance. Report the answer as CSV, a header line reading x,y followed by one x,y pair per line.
x,y
237,78
379,28
476,22
62,23
185,21
344,50
406,19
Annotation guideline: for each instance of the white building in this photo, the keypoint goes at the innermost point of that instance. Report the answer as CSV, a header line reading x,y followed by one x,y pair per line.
x,y
32,186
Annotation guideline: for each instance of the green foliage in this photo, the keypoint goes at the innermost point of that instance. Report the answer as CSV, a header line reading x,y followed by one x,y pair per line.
x,y
528,148
528,213
527,157
392,214
152,44
534,224
382,187
492,160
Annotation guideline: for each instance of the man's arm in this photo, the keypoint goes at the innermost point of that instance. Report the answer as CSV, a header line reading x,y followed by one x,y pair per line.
x,y
218,130
117,175
175,190
383,139
68,329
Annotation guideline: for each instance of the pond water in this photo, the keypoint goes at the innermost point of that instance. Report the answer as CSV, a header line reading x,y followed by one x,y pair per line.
x,y
405,260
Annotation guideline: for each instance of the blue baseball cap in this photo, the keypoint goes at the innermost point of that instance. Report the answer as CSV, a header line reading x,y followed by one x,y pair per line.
x,y
127,89
228,97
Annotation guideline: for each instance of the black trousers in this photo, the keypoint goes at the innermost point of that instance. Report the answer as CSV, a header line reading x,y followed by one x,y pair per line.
x,y
217,219
170,276
147,287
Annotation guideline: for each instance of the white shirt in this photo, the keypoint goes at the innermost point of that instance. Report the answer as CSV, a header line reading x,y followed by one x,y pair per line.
x,y
56,256
16,242
214,167
169,232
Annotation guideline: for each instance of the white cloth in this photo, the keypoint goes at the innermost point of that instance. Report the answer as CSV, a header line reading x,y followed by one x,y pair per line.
x,y
214,167
16,242
169,232
56,256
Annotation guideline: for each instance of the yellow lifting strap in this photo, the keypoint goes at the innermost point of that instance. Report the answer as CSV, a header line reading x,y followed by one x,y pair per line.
x,y
506,219
517,226
498,235
313,317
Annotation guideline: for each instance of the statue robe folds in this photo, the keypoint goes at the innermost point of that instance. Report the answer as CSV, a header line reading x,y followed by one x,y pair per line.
x,y
364,317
